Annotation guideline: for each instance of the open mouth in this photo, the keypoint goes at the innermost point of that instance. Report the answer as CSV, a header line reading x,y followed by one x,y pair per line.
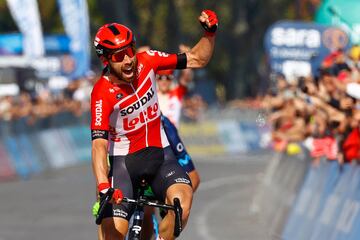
x,y
128,71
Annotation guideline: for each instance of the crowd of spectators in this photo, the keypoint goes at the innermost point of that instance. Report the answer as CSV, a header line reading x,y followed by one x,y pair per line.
x,y
320,112
74,99
45,102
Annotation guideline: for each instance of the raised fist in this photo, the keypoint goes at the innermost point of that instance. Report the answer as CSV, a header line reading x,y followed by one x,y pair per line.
x,y
209,21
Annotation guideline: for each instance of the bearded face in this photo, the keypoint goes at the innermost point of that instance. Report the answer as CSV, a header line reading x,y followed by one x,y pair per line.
x,y
124,70
122,63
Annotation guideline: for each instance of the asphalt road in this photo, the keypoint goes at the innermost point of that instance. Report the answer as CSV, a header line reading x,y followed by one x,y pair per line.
x,y
56,205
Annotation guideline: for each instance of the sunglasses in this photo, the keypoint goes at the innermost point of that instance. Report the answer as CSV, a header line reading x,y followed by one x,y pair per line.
x,y
119,55
165,77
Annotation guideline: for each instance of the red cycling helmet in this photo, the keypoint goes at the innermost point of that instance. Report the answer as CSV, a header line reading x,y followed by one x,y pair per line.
x,y
111,37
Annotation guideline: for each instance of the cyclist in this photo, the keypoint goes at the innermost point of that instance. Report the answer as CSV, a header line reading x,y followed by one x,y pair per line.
x,y
170,102
125,123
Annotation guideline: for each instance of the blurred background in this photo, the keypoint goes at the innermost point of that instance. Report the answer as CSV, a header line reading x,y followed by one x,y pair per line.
x,y
272,123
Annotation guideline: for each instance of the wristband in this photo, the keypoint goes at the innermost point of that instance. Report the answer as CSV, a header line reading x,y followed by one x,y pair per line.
x,y
103,186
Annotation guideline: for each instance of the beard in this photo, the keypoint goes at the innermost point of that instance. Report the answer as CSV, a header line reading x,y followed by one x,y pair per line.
x,y
122,73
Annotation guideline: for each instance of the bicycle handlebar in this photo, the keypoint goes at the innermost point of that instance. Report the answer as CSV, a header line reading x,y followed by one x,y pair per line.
x,y
104,200
176,208
141,202
148,203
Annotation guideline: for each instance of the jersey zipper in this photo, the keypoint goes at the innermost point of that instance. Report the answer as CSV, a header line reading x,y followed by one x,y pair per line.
x,y
144,114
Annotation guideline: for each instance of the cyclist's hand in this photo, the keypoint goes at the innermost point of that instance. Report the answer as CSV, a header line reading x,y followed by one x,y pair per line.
x,y
117,195
209,21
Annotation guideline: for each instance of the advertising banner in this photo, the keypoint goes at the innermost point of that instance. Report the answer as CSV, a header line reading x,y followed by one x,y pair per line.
x,y
344,14
26,16
340,219
81,142
29,154
325,184
75,18
296,218
328,205
242,136
56,152
21,166
298,48
350,209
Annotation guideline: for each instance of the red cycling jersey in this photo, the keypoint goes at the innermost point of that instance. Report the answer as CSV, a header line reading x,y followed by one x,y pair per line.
x,y
171,103
130,112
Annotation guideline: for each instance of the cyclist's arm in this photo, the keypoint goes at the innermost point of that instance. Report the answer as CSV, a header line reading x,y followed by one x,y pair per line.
x,y
196,57
99,160
101,108
201,53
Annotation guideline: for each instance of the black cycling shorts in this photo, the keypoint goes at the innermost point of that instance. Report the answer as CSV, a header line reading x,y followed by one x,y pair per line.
x,y
155,165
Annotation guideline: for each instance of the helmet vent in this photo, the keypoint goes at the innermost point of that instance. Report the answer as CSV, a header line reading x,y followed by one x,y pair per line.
x,y
114,30
109,42
127,35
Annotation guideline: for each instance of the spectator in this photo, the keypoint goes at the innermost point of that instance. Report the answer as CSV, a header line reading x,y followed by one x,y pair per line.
x,y
321,113
6,104
193,108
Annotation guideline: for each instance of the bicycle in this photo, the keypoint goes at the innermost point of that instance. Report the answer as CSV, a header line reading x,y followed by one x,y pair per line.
x,y
138,215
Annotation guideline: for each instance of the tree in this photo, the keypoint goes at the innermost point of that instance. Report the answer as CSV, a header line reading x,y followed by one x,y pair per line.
x,y
163,24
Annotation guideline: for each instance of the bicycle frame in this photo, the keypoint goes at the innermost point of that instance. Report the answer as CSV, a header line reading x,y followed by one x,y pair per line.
x,y
138,216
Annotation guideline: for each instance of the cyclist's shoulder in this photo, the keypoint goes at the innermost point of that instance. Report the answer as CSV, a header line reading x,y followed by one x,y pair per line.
x,y
101,85
143,56
152,55
144,61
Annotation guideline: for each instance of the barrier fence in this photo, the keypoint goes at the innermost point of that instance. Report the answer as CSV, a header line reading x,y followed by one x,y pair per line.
x,y
54,142
301,201
280,184
328,204
28,148
296,200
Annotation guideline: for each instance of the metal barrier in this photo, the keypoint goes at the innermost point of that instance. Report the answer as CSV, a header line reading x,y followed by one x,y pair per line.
x,y
276,194
57,141
299,201
64,139
328,205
